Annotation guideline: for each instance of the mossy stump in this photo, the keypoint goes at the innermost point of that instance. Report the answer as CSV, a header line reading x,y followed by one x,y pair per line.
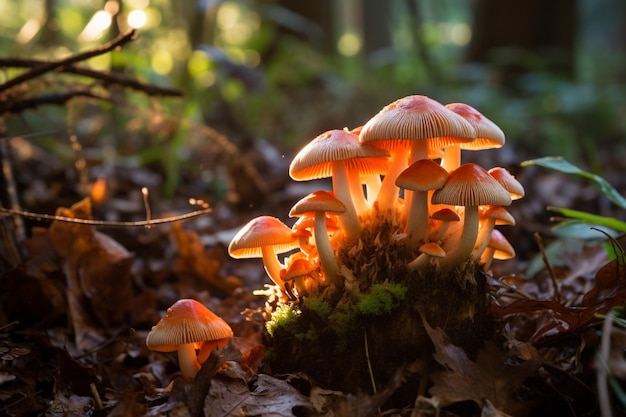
x,y
325,335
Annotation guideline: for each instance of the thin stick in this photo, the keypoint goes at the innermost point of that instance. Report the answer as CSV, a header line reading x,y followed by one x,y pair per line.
x,y
53,65
102,223
546,262
369,363
146,204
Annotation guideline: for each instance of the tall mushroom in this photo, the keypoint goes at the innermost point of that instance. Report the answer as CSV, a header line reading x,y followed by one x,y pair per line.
x,y
407,128
339,155
488,135
186,326
469,186
264,237
320,203
420,177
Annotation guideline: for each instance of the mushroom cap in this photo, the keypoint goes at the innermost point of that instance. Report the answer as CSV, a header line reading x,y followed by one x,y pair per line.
x,y
316,159
488,134
432,249
298,268
502,248
186,321
446,215
499,214
471,185
508,181
422,175
317,201
416,118
259,232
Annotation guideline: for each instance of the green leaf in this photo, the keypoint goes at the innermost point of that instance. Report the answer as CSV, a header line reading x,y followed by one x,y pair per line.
x,y
589,218
559,164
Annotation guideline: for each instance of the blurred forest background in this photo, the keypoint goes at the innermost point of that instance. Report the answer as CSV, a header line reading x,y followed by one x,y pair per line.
x,y
550,73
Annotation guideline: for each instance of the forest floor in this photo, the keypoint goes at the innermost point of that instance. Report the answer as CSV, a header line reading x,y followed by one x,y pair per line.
x,y
78,301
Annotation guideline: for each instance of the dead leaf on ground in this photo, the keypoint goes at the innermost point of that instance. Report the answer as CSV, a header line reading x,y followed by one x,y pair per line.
x,y
489,378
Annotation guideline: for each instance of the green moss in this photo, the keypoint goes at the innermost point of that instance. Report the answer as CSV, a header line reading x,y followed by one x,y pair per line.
x,y
285,315
318,306
381,299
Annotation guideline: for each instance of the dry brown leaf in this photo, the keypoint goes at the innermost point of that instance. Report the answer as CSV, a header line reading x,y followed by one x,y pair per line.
x,y
489,378
192,261
96,266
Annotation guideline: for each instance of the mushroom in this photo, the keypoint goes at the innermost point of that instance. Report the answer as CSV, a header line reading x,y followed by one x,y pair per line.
x,y
446,216
498,248
490,216
338,154
264,237
186,326
488,135
508,181
470,186
428,251
407,128
419,178
320,203
298,271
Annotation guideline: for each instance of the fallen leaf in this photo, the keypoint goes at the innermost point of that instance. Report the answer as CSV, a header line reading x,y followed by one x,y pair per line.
x,y
489,378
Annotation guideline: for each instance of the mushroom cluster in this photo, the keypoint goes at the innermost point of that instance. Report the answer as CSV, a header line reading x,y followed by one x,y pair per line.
x,y
398,178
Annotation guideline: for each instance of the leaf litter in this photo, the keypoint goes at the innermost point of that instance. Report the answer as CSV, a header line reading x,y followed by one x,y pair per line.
x,y
78,307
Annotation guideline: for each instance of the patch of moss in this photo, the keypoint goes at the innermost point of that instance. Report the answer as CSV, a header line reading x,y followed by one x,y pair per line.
x,y
285,316
318,306
381,299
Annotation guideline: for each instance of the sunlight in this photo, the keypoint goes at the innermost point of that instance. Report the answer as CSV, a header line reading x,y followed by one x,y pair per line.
x,y
98,23
137,19
28,31
349,44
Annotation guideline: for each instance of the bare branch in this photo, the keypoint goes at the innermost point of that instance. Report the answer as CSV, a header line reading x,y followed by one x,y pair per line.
x,y
103,223
54,65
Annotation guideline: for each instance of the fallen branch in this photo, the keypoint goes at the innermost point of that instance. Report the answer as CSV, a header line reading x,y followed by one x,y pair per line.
x,y
103,223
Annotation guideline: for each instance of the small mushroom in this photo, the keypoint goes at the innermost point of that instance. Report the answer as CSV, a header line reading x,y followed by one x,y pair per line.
x,y
419,178
489,217
469,186
186,326
508,181
428,251
320,203
264,237
498,248
446,216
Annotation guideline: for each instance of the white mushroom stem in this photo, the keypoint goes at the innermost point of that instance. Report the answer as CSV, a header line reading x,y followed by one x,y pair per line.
x,y
372,186
484,235
388,193
451,157
441,231
272,266
467,240
324,249
341,187
417,221
188,361
419,262
356,191
487,257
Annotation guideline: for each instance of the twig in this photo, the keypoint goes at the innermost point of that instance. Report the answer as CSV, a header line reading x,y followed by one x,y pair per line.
x,y
56,98
105,77
54,65
546,262
103,223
